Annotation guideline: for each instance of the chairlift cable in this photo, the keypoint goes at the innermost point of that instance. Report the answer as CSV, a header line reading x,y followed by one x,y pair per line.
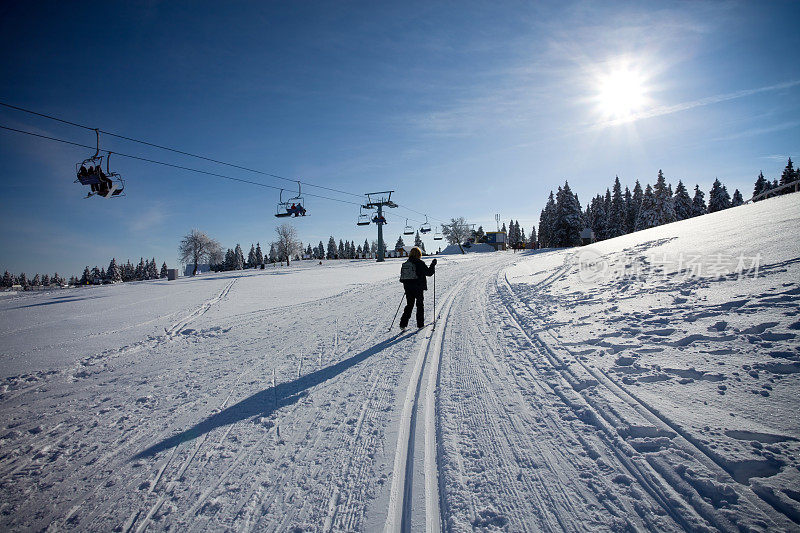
x,y
172,165
175,150
189,154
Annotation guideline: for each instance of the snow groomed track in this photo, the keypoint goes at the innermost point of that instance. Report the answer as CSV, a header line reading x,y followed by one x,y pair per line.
x,y
274,401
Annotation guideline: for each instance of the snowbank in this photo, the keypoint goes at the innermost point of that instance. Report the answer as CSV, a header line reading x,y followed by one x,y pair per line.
x,y
476,248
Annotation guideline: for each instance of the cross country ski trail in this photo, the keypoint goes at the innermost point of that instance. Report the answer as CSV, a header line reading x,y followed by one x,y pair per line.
x,y
625,420
271,401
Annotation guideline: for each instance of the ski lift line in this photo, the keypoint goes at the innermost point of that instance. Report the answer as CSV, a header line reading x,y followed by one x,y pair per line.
x,y
98,131
175,150
171,165
188,154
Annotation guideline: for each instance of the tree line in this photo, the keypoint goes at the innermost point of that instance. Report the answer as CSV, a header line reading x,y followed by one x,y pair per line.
x,y
618,213
115,273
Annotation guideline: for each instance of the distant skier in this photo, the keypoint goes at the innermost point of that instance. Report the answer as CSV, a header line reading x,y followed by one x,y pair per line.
x,y
413,274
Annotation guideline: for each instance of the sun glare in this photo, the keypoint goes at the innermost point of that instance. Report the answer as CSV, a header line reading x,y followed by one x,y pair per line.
x,y
621,93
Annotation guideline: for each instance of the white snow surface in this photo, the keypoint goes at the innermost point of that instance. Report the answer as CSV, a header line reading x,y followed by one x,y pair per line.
x,y
648,382
453,249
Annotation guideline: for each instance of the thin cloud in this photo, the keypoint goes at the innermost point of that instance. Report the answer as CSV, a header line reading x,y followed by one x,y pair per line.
x,y
151,218
759,131
685,106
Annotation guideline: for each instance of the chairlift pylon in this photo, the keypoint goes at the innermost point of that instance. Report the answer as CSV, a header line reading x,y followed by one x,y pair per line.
x,y
408,229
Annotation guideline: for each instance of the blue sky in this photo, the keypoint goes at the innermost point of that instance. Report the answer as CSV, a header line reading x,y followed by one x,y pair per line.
x,y
465,109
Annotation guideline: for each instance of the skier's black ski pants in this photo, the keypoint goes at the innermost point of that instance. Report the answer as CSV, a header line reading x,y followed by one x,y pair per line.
x,y
413,294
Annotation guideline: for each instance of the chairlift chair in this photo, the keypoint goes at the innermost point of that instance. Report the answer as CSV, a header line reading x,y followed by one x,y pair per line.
x,y
408,230
84,175
291,207
363,219
282,209
425,227
117,184
437,236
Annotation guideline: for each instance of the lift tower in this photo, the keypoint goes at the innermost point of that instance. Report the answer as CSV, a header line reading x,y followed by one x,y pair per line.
x,y
379,200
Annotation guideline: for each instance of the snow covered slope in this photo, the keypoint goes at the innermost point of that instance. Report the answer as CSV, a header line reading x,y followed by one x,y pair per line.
x,y
618,386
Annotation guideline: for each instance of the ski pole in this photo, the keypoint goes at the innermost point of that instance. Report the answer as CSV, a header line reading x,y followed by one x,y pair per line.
x,y
434,300
398,310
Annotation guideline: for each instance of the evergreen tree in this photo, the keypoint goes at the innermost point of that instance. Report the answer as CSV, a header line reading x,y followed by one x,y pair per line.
x,y
630,212
569,219
36,281
73,280
616,216
418,242
140,270
480,236
97,277
399,244
597,218
309,252
8,279
114,273
239,257
365,248
251,257
128,272
86,277
153,272
230,260
46,280
260,255
682,202
532,238
331,248
737,199
510,236
788,176
547,222
373,247
648,211
503,229
718,198
164,271
273,253
698,202
359,251
760,186
638,196
340,250
665,209
23,280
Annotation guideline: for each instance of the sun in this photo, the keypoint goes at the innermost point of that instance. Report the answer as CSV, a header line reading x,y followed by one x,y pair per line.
x,y
621,94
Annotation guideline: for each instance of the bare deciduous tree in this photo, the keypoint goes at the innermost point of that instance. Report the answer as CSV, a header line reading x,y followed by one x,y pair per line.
x,y
287,244
456,232
197,246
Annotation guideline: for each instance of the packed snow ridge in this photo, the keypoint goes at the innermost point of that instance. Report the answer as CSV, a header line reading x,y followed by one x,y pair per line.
x,y
647,382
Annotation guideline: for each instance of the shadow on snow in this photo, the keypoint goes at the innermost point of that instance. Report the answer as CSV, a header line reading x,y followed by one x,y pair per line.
x,y
267,401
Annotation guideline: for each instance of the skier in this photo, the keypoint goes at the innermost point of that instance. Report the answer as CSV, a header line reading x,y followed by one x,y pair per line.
x,y
413,275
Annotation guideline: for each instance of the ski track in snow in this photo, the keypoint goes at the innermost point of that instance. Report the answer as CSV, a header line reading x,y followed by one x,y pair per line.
x,y
520,411
643,421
